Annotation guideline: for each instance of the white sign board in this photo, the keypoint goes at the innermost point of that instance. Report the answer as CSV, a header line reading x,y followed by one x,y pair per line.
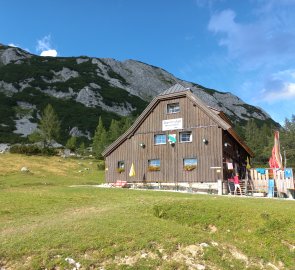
x,y
172,124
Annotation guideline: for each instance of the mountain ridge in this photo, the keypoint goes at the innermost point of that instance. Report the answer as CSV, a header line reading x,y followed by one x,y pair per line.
x,y
92,87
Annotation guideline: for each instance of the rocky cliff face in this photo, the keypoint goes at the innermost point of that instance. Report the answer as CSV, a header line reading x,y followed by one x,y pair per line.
x,y
83,88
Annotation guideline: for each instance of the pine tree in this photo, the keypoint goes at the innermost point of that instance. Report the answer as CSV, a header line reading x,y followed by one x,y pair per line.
x,y
81,150
240,130
287,138
100,139
72,143
126,123
265,141
48,127
251,133
114,131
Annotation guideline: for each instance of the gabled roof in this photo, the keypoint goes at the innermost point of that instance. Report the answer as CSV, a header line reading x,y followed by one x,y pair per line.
x,y
176,91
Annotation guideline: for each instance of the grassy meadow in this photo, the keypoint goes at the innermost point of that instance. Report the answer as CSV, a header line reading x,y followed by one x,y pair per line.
x,y
46,223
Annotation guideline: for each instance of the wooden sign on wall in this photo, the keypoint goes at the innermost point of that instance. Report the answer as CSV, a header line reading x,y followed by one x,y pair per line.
x,y
172,124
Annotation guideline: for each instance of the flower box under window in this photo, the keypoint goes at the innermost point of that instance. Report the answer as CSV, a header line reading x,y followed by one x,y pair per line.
x,y
120,170
153,168
189,167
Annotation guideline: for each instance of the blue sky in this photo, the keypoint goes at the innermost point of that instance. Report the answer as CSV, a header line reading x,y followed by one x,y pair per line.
x,y
245,47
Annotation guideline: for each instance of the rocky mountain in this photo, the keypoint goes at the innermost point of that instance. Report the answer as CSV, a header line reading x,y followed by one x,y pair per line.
x,y
83,88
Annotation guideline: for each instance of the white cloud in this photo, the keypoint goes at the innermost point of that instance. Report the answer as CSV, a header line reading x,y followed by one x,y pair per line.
x,y
52,53
287,92
44,46
279,86
12,45
267,39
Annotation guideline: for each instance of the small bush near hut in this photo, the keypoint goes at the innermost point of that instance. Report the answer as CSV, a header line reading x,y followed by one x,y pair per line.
x,y
32,150
100,165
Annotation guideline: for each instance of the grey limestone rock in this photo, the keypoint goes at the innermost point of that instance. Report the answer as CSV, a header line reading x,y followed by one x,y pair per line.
x,y
10,55
75,132
62,75
8,88
24,126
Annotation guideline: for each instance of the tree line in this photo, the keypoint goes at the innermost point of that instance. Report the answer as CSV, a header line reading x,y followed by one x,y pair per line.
x,y
48,132
261,141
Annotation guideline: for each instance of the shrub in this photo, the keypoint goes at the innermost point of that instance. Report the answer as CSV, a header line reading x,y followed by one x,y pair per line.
x,y
101,165
25,149
32,150
49,151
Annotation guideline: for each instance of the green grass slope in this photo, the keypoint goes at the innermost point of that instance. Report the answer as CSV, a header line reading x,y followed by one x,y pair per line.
x,y
43,221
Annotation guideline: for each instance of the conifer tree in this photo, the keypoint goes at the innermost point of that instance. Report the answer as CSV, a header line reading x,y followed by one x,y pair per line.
x,y
251,133
81,150
100,139
126,123
72,143
287,138
114,131
48,127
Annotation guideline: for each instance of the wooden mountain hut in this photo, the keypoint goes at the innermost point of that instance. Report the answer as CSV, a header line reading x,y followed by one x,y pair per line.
x,y
177,141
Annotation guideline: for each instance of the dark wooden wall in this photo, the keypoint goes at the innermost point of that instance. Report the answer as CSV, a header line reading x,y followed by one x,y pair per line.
x,y
234,153
195,120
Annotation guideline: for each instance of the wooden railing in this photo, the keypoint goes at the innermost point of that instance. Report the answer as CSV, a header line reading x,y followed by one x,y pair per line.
x,y
259,180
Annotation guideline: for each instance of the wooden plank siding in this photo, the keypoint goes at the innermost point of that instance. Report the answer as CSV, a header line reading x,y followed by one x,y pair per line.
x,y
234,153
196,120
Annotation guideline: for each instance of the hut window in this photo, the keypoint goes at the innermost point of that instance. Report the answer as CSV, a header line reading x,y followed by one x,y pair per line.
x,y
160,139
173,108
185,136
121,166
189,164
154,165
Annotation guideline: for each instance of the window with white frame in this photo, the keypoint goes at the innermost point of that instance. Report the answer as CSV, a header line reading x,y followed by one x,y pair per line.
x,y
173,108
154,164
185,136
160,139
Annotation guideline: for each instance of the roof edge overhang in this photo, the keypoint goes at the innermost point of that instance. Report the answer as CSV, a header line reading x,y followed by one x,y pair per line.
x,y
235,135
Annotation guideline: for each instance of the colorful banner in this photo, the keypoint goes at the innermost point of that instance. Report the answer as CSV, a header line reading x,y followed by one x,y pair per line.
x,y
132,170
248,166
172,138
275,161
